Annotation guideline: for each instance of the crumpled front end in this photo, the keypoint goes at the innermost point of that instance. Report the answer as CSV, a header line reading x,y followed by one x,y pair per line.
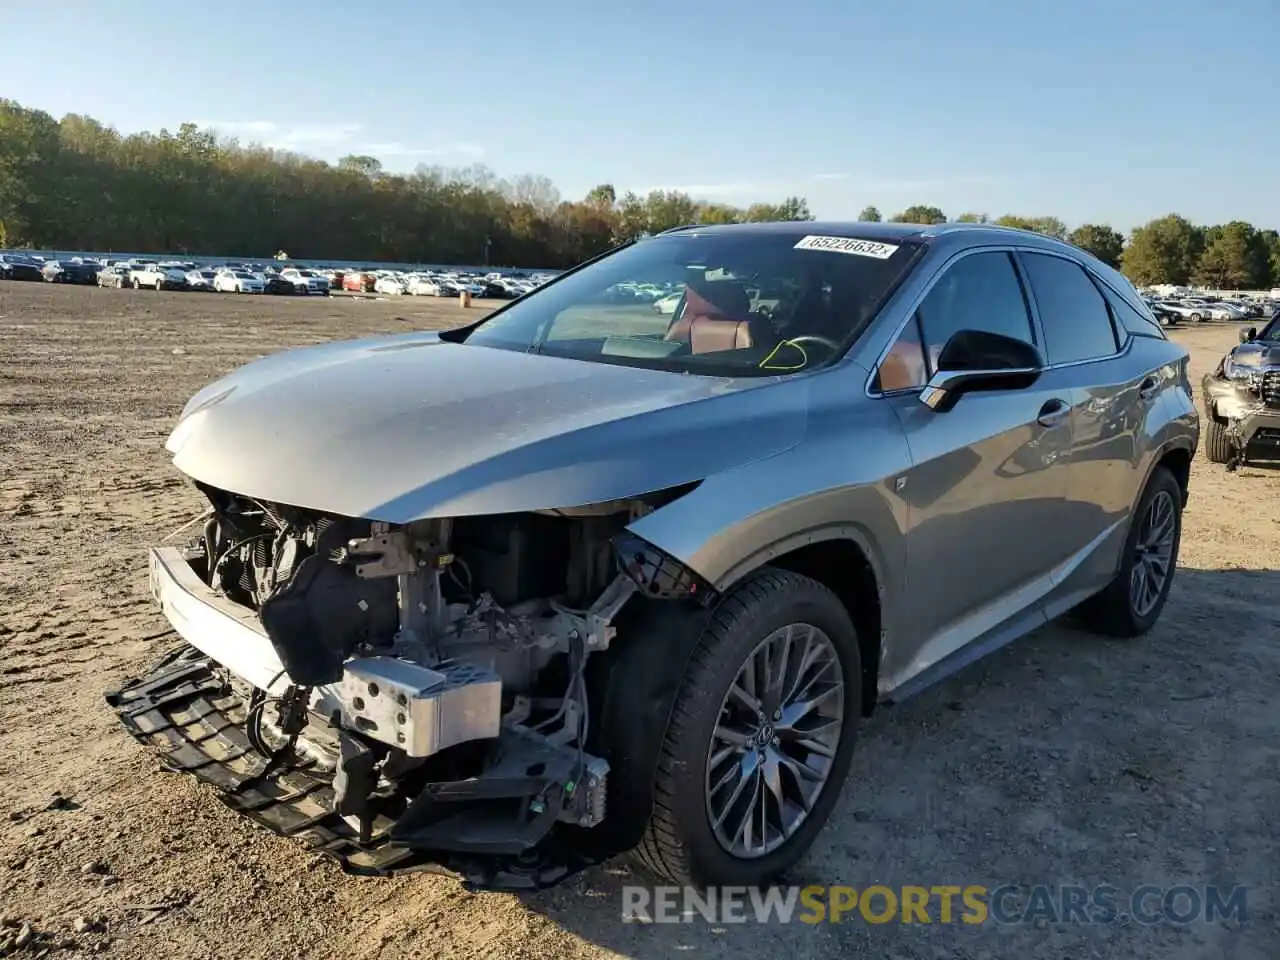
x,y
408,696
1249,406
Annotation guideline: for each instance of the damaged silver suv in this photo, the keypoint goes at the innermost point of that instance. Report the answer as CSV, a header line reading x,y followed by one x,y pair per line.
x,y
589,576
1242,400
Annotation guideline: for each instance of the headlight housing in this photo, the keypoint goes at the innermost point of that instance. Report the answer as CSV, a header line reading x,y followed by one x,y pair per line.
x,y
1234,369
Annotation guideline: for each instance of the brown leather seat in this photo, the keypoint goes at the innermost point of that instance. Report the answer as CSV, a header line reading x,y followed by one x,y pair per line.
x,y
715,317
711,335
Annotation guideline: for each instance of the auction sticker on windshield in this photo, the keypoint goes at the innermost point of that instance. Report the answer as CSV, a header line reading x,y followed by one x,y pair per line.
x,y
859,248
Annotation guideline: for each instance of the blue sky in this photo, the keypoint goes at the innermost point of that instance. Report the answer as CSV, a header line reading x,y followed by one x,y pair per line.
x,y
1092,110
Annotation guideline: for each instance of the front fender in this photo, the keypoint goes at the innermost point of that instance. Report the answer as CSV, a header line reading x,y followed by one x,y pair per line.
x,y
838,483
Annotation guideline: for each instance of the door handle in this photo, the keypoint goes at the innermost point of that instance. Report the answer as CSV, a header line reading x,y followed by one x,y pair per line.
x,y
1053,412
1147,389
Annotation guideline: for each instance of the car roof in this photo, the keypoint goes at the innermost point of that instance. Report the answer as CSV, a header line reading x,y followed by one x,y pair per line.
x,y
800,228
964,233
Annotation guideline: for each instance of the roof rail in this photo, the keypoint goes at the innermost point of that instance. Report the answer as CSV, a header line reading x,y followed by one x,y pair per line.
x,y
686,226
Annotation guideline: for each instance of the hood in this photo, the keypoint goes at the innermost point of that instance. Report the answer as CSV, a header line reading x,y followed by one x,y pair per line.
x,y
1257,353
400,428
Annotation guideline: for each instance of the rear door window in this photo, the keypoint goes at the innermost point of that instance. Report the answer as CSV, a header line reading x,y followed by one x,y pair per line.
x,y
1077,324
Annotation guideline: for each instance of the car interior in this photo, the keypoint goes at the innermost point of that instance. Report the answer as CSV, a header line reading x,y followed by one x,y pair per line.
x,y
807,323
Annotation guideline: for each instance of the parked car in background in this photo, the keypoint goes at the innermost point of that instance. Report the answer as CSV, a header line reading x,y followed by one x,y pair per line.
x,y
306,281
276,285
118,275
572,581
1197,313
1207,310
201,280
666,305
493,290
393,286
238,281
14,266
70,271
424,287
157,277
359,281
1158,310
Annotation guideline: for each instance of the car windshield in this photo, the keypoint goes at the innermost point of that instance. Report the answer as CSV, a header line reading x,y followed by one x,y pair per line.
x,y
751,303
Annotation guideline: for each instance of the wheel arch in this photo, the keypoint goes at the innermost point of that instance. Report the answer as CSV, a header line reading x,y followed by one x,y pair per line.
x,y
1175,456
843,559
1177,460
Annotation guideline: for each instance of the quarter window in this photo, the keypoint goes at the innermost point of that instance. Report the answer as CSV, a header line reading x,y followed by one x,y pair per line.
x,y
1128,318
1076,323
978,292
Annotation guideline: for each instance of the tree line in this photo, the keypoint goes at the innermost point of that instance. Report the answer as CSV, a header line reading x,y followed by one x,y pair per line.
x,y
1169,249
76,184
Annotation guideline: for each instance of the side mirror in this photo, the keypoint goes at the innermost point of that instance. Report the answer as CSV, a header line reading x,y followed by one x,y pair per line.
x,y
1248,333
980,360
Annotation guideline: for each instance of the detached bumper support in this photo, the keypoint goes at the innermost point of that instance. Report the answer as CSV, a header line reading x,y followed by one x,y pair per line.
x,y
184,710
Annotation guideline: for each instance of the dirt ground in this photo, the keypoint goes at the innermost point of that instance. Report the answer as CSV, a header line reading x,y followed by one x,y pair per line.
x,y
1063,759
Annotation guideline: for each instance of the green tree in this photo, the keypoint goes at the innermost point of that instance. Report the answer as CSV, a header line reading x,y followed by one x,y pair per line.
x,y
665,209
1100,240
870,215
1271,241
920,214
973,218
792,208
1166,250
717,213
603,195
1235,257
632,219
1049,226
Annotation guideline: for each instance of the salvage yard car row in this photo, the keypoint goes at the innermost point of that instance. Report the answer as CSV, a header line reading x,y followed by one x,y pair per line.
x,y
252,278
1197,309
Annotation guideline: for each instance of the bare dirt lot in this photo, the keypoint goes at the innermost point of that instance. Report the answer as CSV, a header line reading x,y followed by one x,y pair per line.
x,y
1063,759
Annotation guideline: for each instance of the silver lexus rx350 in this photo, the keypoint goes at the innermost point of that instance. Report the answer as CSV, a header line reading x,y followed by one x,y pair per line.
x,y
586,577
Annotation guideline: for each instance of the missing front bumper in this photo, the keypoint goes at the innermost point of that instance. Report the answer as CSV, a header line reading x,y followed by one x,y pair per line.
x,y
184,709
519,823
1252,421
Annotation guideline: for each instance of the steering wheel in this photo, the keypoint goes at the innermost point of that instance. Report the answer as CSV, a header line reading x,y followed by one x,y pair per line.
x,y
804,338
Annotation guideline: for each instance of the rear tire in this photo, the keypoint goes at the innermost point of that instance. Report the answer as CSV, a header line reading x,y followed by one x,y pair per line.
x,y
1119,610
700,771
1217,445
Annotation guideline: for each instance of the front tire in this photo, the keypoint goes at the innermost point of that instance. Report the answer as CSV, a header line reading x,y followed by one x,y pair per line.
x,y
1217,446
761,736
1131,604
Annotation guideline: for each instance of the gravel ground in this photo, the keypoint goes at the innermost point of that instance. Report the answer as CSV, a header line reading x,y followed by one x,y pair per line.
x,y
1063,759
